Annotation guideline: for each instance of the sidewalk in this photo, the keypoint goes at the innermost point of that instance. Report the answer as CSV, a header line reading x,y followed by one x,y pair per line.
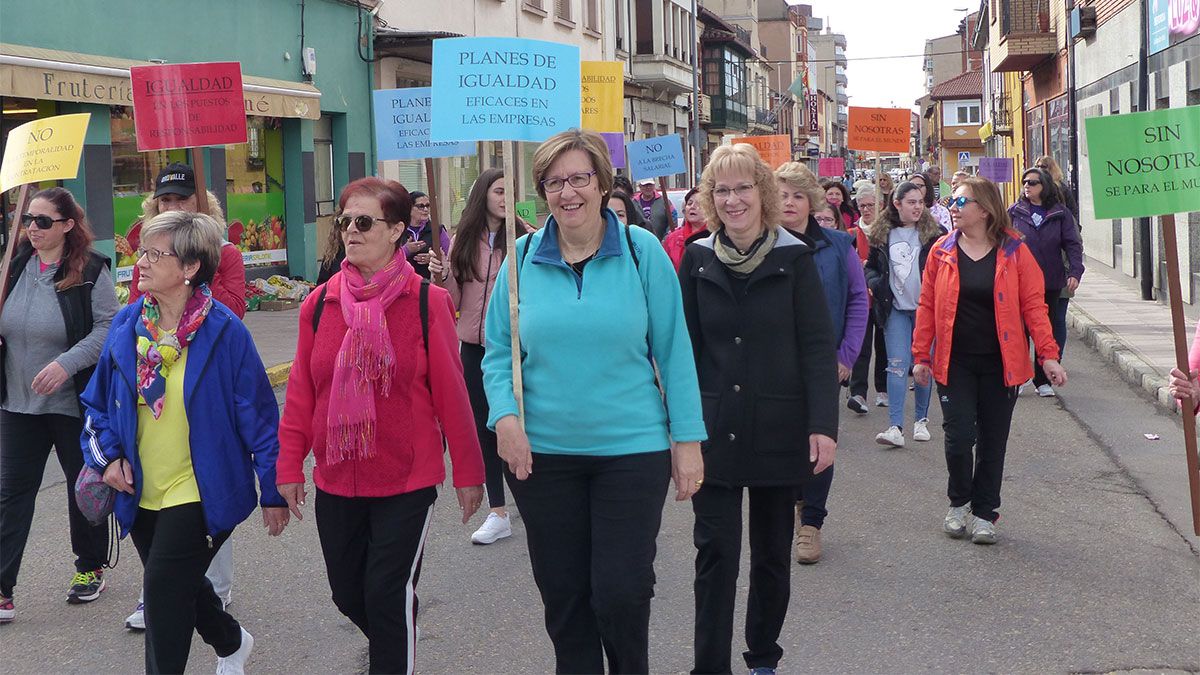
x,y
275,336
1109,315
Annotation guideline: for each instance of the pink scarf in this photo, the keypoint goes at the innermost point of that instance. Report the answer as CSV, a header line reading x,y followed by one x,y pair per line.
x,y
365,361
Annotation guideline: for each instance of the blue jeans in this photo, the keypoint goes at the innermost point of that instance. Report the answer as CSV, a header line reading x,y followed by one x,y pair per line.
x,y
898,336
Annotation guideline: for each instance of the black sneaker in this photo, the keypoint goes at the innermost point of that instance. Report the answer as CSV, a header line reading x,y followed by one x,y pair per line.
x,y
86,587
857,404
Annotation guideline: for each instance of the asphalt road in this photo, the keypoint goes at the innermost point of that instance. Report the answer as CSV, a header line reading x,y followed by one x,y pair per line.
x,y
1096,570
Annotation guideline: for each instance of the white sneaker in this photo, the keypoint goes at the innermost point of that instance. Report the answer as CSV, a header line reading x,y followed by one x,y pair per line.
x,y
921,429
881,400
1024,385
137,620
955,523
1046,391
495,527
893,436
235,663
982,531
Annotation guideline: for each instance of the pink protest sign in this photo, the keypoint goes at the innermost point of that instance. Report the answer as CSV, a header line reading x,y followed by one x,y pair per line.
x,y
831,166
188,105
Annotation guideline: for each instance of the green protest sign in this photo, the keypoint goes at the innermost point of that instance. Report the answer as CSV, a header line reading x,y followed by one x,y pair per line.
x,y
527,211
1146,163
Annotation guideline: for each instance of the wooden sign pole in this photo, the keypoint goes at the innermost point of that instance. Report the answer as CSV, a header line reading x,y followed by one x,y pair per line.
x,y
447,199
1179,332
13,230
510,240
434,207
662,185
201,182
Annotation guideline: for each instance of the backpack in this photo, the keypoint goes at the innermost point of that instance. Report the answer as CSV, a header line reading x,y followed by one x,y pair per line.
x,y
637,264
422,303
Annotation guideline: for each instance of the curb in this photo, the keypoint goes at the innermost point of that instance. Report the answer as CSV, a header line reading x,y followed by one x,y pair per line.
x,y
278,375
1133,368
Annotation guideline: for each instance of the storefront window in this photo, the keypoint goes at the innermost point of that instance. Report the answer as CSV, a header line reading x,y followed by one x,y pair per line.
x,y
1060,132
254,185
1035,136
16,111
133,175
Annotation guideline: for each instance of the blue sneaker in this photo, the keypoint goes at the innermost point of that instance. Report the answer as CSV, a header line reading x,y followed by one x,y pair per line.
x,y
762,671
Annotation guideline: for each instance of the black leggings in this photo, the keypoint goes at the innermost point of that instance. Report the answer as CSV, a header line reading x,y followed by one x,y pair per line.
x,y
25,442
858,375
493,466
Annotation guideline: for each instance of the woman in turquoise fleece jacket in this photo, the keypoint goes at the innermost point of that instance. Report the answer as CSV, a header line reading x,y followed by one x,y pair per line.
x,y
600,306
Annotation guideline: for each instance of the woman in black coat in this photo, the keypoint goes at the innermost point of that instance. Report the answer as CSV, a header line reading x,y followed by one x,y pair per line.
x,y
765,355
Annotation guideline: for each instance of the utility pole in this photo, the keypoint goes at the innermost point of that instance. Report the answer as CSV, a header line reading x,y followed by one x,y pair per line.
x,y
696,144
1145,250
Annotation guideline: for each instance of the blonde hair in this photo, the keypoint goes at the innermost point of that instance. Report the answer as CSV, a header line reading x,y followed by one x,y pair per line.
x,y
799,177
1052,167
150,208
590,142
740,158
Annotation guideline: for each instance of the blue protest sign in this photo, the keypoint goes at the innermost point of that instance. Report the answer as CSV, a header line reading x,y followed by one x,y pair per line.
x,y
402,126
503,89
655,157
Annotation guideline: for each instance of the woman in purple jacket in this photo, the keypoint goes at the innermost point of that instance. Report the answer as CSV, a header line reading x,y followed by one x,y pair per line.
x,y
1050,231
806,213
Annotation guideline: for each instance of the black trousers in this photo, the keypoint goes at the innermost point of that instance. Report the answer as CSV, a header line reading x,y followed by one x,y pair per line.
x,y
25,442
592,524
176,549
1056,312
815,493
718,540
858,374
372,548
493,466
977,412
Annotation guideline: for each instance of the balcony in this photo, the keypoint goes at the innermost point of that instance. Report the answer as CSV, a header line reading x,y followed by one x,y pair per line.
x,y
1026,37
727,115
660,71
840,78
763,120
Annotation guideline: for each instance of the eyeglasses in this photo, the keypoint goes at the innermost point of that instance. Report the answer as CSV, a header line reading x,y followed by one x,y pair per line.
x,y
153,255
423,207
1032,182
959,202
575,180
742,191
362,223
825,220
1039,166
41,222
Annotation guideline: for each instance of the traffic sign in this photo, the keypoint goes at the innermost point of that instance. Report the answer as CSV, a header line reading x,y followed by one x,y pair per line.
x,y
964,158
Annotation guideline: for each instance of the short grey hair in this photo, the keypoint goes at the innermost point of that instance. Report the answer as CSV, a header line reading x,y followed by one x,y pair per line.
x,y
195,237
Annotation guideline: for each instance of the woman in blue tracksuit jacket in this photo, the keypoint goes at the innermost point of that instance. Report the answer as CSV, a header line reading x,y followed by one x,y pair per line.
x,y
179,417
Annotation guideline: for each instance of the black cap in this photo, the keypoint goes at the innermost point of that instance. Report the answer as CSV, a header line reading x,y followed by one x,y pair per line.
x,y
175,179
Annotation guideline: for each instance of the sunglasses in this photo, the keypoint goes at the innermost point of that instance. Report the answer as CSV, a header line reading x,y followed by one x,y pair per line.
x,y
959,202
1032,182
40,222
423,207
362,223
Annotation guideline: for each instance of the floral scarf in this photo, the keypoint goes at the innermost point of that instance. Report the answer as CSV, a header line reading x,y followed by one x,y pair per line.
x,y
158,349
366,360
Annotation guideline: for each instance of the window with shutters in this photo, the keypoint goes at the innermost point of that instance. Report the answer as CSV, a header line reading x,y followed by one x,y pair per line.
x,y
535,7
562,11
621,14
591,16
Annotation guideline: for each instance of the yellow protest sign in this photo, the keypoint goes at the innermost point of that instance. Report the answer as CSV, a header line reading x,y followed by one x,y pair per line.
x,y
45,149
602,95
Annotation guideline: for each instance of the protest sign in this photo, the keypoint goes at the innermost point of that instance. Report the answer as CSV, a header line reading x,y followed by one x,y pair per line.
x,y
831,166
512,89
1146,163
45,149
774,150
996,169
879,129
402,126
187,105
654,157
616,147
602,96
527,211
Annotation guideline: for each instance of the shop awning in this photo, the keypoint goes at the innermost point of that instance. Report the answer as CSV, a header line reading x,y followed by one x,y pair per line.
x,y
49,74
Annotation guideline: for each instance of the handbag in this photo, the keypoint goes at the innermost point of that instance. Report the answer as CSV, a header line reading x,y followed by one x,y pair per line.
x,y
94,497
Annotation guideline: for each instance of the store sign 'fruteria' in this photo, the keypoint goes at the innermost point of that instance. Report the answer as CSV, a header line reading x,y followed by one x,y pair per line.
x,y
188,105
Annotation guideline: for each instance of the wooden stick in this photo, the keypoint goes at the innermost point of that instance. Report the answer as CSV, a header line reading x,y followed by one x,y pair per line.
x,y
447,202
201,183
434,210
662,185
1179,332
13,230
510,241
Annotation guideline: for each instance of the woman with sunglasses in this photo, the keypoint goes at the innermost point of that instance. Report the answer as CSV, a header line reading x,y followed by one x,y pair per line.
x,y
939,212
1050,232
981,292
1046,163
901,240
589,462
180,419
417,238
60,304
373,410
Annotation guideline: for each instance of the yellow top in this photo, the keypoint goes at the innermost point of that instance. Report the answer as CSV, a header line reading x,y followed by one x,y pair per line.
x,y
164,449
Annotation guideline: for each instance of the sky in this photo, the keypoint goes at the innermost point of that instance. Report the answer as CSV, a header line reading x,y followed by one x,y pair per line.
x,y
892,29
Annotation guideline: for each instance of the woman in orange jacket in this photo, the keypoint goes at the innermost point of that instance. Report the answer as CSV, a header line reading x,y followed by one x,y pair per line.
x,y
981,291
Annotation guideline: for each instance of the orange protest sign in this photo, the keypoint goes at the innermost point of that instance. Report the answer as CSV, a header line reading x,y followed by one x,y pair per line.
x,y
879,129
775,150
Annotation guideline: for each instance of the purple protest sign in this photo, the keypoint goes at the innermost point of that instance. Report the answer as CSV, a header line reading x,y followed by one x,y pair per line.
x,y
996,169
616,147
